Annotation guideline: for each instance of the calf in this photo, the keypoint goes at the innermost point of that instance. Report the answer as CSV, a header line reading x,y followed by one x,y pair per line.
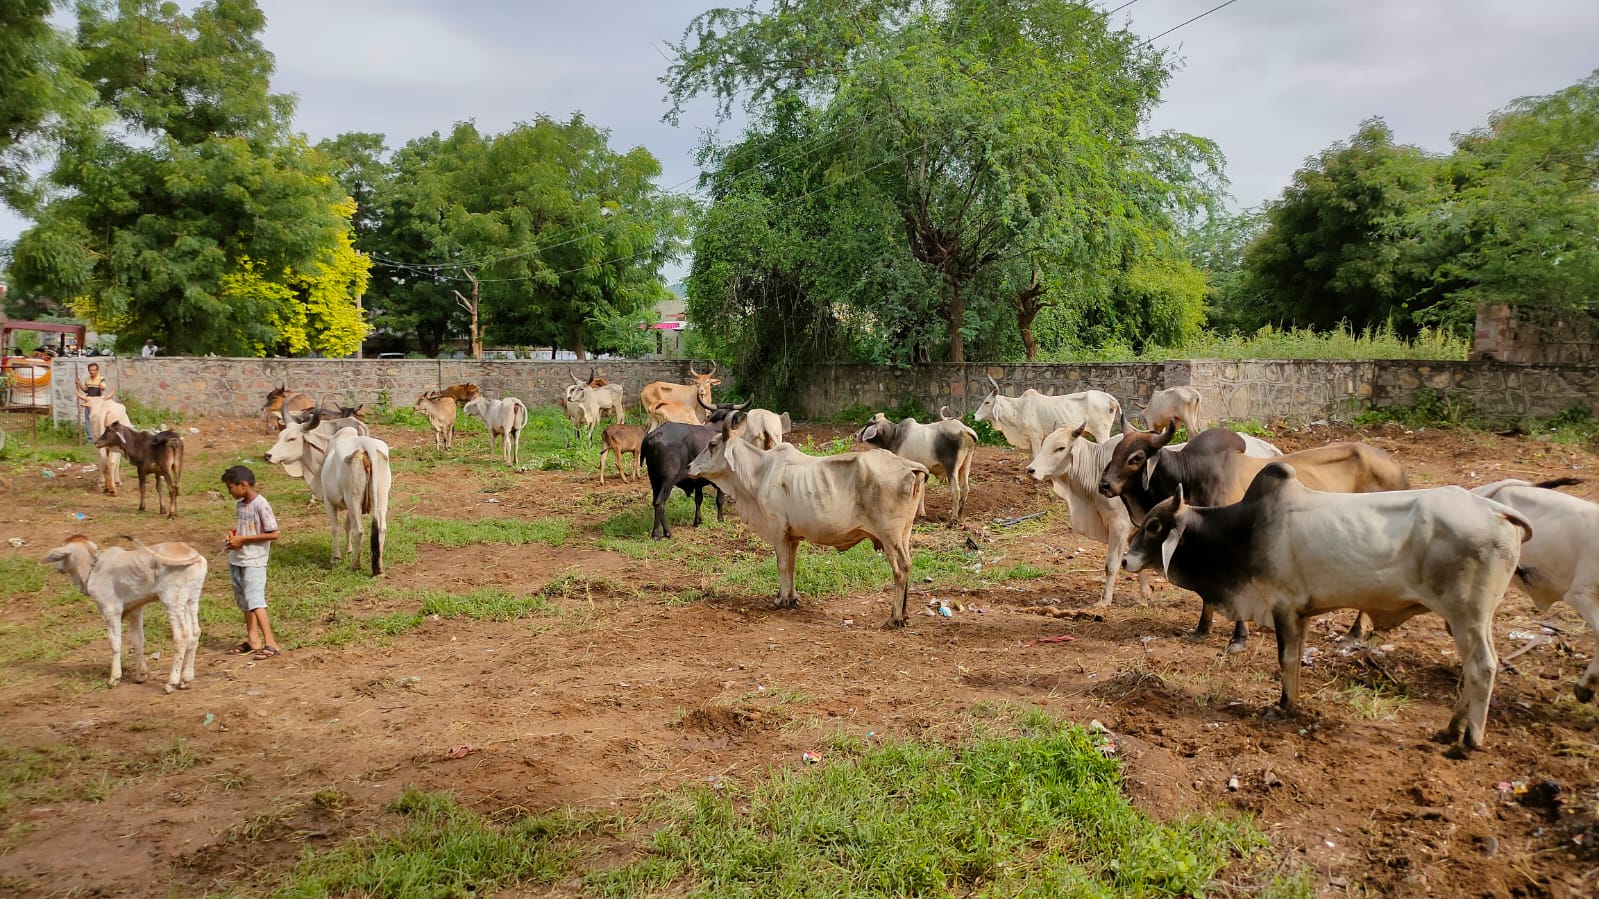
x,y
945,448
1561,561
766,429
1173,404
1071,464
159,454
1214,469
667,452
505,419
440,411
788,497
122,582
621,440
610,399
1285,553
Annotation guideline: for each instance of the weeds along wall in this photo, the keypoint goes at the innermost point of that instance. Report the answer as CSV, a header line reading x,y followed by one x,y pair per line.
x,y
1259,390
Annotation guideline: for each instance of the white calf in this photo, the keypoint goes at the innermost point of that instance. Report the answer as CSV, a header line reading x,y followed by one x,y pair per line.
x,y
505,419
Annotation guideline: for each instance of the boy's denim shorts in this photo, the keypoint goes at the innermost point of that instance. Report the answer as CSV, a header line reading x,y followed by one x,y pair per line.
x,y
249,586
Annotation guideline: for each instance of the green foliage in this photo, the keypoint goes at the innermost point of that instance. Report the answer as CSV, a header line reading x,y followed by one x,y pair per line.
x,y
565,235
511,531
1575,426
188,177
1036,812
41,92
1381,342
1427,408
922,175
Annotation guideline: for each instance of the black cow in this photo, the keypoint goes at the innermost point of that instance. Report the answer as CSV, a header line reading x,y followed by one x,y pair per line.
x,y
667,451
159,454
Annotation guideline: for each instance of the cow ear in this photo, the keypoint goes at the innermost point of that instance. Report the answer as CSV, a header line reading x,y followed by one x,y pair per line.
x,y
1168,547
867,433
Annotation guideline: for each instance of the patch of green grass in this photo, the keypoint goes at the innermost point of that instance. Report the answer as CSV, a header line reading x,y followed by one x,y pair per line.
x,y
492,603
149,416
30,442
1574,427
1282,343
827,447
1036,811
54,773
1374,703
441,850
512,531
824,572
20,575
1427,409
1253,428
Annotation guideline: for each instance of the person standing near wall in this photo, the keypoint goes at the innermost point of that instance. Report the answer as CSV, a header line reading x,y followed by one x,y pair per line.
x,y
93,385
148,350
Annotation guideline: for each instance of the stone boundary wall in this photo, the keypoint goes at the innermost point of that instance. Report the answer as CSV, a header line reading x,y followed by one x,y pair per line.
x,y
238,387
1260,390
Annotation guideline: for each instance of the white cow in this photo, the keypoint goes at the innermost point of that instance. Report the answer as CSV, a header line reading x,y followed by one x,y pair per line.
x,y
353,477
787,497
1561,561
122,582
505,419
945,447
767,429
1286,553
1027,419
104,412
1173,404
1071,464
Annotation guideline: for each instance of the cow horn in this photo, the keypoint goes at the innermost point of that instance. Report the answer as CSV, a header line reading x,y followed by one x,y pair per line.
x,y
316,419
746,405
993,382
574,378
701,400
713,368
1166,434
692,370
943,413
592,372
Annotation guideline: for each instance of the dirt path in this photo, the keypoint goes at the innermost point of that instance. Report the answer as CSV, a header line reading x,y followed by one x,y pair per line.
x,y
623,689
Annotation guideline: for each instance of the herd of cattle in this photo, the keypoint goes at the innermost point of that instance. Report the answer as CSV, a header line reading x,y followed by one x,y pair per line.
x,y
1259,535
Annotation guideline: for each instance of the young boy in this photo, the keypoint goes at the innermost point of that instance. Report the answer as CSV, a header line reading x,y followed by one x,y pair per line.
x,y
248,545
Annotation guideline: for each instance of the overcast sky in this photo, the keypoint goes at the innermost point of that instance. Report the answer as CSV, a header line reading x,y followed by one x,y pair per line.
x,y
1272,81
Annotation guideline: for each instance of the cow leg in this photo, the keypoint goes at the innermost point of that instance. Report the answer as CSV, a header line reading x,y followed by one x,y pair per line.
x,y
142,476
699,498
1240,638
1478,662
141,666
1360,628
787,554
335,530
1584,597
603,454
661,528
352,531
1145,586
899,559
191,611
1202,629
719,503
178,621
113,624
1290,651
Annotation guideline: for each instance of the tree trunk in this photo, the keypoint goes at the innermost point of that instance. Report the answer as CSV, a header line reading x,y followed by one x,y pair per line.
x,y
957,318
577,343
1028,304
471,306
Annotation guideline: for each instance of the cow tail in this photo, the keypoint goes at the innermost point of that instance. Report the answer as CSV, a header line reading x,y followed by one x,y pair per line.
x,y
1517,519
366,483
376,540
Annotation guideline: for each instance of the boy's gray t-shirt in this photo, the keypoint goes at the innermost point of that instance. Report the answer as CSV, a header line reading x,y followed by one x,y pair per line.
x,y
255,517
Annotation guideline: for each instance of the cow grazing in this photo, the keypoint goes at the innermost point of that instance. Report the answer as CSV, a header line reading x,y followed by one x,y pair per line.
x,y
787,497
767,429
1071,464
1026,420
122,582
682,396
505,419
667,452
610,399
1215,469
104,412
1286,553
1173,404
159,454
945,448
331,421
620,440
1561,561
440,410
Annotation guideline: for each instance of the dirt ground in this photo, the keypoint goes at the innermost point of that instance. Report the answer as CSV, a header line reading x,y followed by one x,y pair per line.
x,y
632,690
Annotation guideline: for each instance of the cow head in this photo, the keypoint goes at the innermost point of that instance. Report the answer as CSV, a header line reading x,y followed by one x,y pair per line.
x,y
1057,453
1158,536
290,450
719,412
1127,463
704,382
113,437
274,399
878,432
991,404
715,462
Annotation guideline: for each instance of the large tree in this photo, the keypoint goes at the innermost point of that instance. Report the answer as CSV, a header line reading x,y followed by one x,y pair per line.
x,y
557,237
38,88
1002,137
195,182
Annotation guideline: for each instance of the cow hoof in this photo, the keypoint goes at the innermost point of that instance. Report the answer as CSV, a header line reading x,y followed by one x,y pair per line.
x,y
894,623
113,681
1235,647
1446,736
1584,694
140,678
1458,752
168,688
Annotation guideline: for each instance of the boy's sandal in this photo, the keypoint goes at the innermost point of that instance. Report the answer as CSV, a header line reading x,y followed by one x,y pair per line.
x,y
267,652
243,649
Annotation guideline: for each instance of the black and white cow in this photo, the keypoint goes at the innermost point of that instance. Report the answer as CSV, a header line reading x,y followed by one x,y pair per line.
x,y
667,451
944,447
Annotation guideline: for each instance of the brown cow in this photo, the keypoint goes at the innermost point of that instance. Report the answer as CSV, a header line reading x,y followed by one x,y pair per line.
x,y
159,454
1213,470
686,396
621,440
280,404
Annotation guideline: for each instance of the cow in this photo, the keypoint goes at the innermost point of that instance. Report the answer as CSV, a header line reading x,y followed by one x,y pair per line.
x,y
333,420
1286,553
620,440
787,497
1173,404
1215,470
505,418
281,403
945,448
462,393
766,429
103,412
1071,464
122,582
582,408
352,475
610,399
159,454
1561,561
682,395
667,452
1026,420
440,411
